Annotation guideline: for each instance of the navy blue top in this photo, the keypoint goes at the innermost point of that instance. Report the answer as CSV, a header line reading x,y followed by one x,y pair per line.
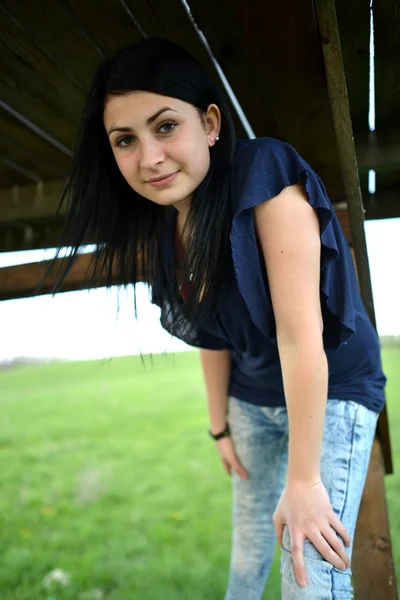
x,y
244,321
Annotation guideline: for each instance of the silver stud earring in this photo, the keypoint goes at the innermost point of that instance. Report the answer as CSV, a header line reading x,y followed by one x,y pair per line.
x,y
217,139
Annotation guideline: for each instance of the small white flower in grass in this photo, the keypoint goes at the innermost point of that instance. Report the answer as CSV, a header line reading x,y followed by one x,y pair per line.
x,y
57,576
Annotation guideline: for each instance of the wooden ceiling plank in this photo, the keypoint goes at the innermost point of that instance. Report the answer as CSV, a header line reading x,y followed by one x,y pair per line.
x,y
34,86
278,78
54,31
387,63
105,23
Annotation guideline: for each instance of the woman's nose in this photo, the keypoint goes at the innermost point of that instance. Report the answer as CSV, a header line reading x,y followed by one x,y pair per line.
x,y
151,154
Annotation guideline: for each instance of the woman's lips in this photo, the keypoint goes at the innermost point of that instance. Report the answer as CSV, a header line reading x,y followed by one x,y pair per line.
x,y
165,181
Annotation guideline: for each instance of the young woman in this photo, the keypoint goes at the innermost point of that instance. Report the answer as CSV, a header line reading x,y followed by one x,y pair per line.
x,y
246,261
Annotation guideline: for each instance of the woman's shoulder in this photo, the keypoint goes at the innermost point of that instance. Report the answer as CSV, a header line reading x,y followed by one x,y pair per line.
x,y
262,167
261,147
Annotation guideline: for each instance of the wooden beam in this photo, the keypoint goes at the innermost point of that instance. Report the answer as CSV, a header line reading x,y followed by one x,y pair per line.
x,y
372,539
329,32
22,281
30,201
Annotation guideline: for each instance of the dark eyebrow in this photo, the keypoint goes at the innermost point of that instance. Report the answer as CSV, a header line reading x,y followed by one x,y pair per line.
x,y
149,121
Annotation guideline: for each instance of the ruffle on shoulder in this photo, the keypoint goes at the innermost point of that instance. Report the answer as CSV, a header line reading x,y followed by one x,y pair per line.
x,y
262,169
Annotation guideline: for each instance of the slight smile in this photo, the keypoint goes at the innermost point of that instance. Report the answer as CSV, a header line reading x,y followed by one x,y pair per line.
x,y
164,180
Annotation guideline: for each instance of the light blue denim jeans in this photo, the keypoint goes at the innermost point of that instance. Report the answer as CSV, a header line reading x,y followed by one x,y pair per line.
x,y
260,436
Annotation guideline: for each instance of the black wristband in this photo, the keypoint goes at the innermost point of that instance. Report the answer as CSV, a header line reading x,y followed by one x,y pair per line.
x,y
218,436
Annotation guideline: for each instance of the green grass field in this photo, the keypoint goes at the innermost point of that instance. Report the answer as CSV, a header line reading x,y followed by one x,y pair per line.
x,y
107,474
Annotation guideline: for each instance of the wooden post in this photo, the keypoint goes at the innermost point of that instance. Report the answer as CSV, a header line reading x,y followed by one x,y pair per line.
x,y
373,566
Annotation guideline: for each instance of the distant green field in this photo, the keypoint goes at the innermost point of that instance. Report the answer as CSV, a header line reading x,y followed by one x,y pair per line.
x,y
108,475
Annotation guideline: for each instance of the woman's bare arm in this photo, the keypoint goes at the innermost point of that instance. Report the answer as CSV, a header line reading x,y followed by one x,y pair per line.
x,y
216,366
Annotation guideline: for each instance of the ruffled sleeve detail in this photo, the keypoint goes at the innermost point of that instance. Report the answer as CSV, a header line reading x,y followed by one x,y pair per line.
x,y
262,169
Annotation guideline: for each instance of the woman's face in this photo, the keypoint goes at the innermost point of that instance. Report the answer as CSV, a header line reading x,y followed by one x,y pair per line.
x,y
160,144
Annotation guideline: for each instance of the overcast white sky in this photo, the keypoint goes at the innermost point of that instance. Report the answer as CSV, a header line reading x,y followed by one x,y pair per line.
x,y
84,325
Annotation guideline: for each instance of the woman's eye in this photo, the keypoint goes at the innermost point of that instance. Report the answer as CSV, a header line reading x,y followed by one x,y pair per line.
x,y
168,126
123,142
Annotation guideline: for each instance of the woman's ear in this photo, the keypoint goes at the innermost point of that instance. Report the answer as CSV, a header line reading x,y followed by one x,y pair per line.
x,y
213,121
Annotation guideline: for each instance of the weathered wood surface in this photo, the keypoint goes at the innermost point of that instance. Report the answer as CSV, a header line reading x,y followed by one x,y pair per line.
x,y
21,281
372,561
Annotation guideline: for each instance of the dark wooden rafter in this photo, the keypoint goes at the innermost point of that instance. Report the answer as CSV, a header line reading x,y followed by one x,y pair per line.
x,y
379,558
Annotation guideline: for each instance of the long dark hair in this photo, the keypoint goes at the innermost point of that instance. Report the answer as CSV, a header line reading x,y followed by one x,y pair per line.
x,y
128,229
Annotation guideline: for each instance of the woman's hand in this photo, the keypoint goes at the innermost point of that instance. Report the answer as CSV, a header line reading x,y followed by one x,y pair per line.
x,y
307,512
229,459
